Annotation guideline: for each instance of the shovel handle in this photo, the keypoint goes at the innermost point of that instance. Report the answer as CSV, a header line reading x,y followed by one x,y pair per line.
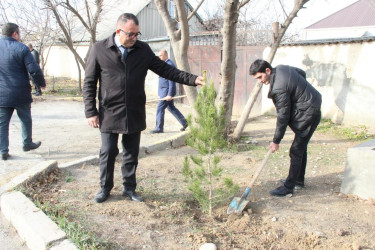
x,y
260,168
244,196
162,99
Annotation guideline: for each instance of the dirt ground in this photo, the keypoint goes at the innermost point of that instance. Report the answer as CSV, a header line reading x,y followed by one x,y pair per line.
x,y
316,217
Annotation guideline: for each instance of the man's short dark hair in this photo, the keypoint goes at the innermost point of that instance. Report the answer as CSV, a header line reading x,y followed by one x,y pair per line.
x,y
260,66
128,16
9,29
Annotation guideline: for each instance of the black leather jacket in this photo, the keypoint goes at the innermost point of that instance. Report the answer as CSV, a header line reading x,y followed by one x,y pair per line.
x,y
296,100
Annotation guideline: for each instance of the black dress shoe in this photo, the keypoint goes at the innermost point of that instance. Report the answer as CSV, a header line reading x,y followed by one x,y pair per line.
x,y
299,184
31,146
281,191
4,156
101,196
37,93
131,195
184,127
156,131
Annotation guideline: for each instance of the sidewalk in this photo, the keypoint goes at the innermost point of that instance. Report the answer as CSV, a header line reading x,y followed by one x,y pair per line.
x,y
66,137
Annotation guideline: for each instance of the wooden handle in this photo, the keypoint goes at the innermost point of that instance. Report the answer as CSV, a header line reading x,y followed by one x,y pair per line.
x,y
260,168
162,99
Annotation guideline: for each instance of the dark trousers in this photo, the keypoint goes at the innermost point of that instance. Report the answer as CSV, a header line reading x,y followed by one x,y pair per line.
x,y
298,155
24,113
160,112
107,157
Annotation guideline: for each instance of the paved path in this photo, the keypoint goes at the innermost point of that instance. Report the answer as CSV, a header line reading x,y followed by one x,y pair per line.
x,y
9,239
65,136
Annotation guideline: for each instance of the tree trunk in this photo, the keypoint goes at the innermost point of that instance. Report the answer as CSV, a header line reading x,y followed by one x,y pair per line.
x,y
250,103
79,77
179,39
228,65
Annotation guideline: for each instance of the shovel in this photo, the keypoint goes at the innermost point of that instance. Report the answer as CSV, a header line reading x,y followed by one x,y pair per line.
x,y
238,204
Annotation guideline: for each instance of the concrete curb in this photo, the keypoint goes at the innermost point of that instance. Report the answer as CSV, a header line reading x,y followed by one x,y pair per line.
x,y
172,142
86,160
32,225
35,227
30,175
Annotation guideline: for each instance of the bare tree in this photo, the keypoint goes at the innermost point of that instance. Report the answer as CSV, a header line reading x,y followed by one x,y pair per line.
x,y
3,14
35,22
179,36
92,18
298,5
69,15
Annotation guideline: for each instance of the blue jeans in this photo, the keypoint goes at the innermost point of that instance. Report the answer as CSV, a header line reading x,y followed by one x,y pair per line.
x,y
24,113
160,112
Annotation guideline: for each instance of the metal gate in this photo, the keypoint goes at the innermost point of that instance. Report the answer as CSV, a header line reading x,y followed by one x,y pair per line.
x,y
208,57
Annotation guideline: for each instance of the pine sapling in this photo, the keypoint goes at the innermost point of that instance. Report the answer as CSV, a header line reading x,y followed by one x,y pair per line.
x,y
207,135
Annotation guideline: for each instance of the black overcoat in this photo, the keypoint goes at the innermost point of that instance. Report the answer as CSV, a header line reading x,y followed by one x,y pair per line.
x,y
121,94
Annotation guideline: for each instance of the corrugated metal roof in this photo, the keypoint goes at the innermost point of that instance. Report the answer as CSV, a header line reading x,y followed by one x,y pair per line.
x,y
330,41
361,13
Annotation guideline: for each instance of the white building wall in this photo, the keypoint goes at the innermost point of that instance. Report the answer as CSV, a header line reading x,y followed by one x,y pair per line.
x,y
61,62
337,33
342,73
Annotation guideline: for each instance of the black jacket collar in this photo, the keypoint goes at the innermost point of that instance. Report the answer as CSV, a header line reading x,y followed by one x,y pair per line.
x,y
272,80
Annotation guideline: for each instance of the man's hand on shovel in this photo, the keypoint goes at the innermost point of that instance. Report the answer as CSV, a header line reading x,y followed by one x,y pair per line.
x,y
273,146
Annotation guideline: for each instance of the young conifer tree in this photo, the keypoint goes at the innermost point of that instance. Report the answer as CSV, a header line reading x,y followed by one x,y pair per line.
x,y
207,135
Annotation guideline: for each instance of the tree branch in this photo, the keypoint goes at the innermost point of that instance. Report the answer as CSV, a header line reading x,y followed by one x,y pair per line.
x,y
282,6
297,7
243,3
69,7
195,10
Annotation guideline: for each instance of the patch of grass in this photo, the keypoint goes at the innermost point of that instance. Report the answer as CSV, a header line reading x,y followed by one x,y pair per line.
x,y
359,133
82,238
62,86
69,177
244,144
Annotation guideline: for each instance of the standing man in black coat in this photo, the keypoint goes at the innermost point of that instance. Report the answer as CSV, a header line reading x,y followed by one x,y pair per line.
x,y
35,54
120,64
298,105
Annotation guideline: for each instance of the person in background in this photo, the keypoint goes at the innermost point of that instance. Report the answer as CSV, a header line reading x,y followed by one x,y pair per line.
x,y
167,90
298,106
120,63
16,63
35,54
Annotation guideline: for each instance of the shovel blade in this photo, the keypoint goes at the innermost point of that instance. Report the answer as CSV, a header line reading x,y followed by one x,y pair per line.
x,y
237,205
